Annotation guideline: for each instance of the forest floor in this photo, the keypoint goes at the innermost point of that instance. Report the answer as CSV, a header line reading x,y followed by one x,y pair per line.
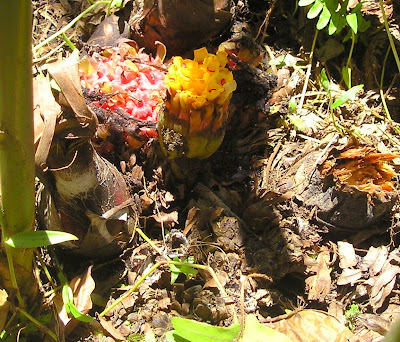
x,y
297,213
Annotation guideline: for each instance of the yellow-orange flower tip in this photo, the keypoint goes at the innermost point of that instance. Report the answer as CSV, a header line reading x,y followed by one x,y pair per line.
x,y
202,80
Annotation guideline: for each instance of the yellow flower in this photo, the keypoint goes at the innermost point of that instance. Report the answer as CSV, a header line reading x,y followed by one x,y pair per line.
x,y
199,92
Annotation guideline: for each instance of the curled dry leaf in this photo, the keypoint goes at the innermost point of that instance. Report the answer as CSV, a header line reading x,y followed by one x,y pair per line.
x,y
347,255
314,326
319,285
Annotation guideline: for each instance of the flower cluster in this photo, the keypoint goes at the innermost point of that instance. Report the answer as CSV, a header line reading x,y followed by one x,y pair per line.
x,y
198,95
128,79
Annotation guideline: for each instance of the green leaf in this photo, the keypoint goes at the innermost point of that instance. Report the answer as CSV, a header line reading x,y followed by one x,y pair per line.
x,y
303,3
116,3
176,270
347,96
254,331
73,310
38,238
352,21
202,332
346,73
324,18
173,336
299,124
325,81
315,9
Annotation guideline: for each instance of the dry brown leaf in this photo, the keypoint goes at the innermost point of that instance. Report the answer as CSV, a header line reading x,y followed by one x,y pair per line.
x,y
383,285
83,287
349,276
374,260
169,219
4,308
314,326
347,255
110,330
319,285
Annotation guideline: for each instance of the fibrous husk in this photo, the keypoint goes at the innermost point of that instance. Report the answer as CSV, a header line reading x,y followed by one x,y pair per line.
x,y
84,194
181,25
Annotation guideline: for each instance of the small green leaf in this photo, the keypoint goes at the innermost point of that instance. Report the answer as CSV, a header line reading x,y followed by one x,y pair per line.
x,y
324,18
346,73
325,81
73,310
116,3
254,331
347,96
176,270
202,332
39,238
352,21
303,3
315,9
299,124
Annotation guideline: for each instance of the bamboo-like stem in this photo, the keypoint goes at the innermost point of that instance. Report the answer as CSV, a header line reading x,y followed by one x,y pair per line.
x,y
17,171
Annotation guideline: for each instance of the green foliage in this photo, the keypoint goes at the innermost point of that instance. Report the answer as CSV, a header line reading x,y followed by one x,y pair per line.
x,y
189,330
254,331
176,270
68,299
346,96
334,16
38,238
351,314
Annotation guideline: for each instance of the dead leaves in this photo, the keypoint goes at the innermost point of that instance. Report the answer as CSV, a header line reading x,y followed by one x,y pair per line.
x,y
319,285
375,273
314,326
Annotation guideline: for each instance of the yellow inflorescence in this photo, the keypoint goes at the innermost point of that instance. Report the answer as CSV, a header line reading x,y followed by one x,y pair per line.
x,y
200,81
196,107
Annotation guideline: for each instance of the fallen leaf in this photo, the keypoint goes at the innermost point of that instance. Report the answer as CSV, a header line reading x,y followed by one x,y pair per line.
x,y
383,286
319,285
314,326
349,276
4,308
374,260
347,255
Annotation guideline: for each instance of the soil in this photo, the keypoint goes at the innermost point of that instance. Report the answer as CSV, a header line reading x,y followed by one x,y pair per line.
x,y
297,217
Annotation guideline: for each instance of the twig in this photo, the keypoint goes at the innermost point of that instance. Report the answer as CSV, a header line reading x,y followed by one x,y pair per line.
x,y
308,72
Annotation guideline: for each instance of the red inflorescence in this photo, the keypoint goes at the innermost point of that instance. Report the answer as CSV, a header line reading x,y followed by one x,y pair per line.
x,y
130,79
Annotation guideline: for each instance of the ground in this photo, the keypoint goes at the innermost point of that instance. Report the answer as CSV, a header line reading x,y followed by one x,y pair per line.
x,y
296,214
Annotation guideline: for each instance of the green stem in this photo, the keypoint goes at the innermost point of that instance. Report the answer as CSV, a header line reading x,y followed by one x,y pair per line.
x,y
68,41
37,323
133,288
353,40
68,26
396,56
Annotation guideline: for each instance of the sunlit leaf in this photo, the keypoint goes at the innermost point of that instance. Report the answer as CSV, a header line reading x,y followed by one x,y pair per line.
x,y
176,270
325,81
315,9
347,96
352,21
73,310
346,73
39,238
324,18
116,3
189,330
254,331
303,3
